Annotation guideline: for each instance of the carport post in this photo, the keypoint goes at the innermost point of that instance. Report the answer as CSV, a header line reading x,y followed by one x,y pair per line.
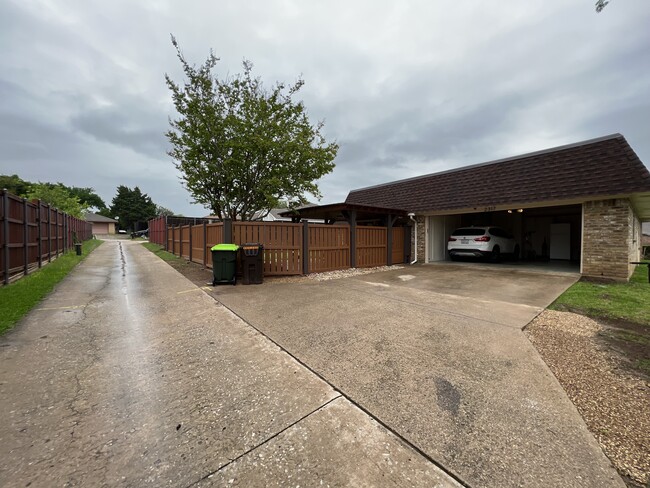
x,y
227,231
352,220
389,240
305,247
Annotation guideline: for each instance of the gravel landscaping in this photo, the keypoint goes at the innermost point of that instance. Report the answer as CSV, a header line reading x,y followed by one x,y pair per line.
x,y
612,396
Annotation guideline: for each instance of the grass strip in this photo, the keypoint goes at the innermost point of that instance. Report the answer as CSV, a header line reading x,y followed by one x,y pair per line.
x,y
626,301
18,298
160,251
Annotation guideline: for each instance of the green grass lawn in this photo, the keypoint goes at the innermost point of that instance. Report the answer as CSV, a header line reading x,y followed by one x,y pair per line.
x,y
160,252
20,297
627,301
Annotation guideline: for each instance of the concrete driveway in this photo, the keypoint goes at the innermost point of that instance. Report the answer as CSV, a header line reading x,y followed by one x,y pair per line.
x,y
437,354
130,375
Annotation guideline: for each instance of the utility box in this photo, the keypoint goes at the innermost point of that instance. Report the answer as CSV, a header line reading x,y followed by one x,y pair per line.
x,y
253,263
224,264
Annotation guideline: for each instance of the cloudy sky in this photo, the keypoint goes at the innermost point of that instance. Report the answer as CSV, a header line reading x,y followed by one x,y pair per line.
x,y
405,88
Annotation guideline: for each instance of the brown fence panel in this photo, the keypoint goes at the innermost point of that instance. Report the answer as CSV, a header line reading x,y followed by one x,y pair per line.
x,y
371,246
31,232
214,234
170,239
398,245
32,235
329,247
197,243
157,230
185,241
282,244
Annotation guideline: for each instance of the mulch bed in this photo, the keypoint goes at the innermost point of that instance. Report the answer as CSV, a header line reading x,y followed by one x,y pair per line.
x,y
600,373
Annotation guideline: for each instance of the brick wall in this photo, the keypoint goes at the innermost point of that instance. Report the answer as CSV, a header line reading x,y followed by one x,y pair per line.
x,y
609,242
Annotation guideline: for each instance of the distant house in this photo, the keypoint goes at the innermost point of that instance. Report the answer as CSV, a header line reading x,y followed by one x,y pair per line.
x,y
272,216
645,238
101,224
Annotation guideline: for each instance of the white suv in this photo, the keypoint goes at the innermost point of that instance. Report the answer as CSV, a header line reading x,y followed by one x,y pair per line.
x,y
490,242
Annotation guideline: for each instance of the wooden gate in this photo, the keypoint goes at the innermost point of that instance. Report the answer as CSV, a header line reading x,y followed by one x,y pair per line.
x,y
371,246
398,244
329,247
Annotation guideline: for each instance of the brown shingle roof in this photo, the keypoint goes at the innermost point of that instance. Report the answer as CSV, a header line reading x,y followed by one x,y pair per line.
x,y
606,166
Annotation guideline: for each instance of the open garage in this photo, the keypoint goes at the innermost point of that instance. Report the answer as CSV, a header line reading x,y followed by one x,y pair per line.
x,y
581,205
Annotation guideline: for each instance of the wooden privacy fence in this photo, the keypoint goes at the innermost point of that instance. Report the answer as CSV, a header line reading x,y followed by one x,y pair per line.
x,y
289,249
32,233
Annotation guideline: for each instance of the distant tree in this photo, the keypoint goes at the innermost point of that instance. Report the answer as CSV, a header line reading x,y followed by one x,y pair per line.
x,y
57,195
88,197
132,207
601,4
241,148
14,184
162,211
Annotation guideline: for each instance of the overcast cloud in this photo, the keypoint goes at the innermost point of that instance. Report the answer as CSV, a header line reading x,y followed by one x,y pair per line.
x,y
406,88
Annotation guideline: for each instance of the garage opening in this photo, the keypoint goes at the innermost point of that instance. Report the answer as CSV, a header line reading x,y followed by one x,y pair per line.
x,y
551,235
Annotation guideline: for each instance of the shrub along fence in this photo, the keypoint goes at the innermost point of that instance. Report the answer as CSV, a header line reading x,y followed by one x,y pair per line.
x,y
32,233
289,249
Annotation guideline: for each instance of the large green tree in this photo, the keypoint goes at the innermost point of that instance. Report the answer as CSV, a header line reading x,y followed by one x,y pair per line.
x,y
132,208
14,184
241,148
57,196
87,197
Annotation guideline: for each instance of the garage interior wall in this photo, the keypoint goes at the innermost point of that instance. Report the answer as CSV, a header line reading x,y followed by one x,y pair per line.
x,y
540,232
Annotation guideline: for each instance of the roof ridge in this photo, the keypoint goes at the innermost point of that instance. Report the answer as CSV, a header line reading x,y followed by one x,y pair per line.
x,y
563,147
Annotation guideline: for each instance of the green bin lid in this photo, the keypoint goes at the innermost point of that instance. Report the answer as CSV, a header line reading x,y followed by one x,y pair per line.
x,y
225,247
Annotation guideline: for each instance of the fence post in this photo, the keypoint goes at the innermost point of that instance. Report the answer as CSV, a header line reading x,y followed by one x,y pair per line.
x,y
5,228
389,240
205,244
56,231
166,235
49,234
305,247
25,232
227,231
40,236
66,241
191,240
353,238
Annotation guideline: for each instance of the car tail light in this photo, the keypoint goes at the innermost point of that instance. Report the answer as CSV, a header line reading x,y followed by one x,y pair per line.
x,y
482,239
451,239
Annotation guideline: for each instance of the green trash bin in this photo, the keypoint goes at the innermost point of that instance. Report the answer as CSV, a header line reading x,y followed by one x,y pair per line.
x,y
224,264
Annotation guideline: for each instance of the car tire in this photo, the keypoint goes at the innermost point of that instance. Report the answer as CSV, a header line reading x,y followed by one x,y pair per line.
x,y
495,255
453,257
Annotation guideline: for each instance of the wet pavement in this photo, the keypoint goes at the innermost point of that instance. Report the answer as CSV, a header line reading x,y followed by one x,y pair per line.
x,y
437,353
130,375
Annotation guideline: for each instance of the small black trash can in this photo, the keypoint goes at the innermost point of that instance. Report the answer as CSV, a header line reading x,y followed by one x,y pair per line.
x,y
253,263
224,264
77,248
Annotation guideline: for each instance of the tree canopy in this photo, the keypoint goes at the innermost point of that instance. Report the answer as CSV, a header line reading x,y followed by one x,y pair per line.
x,y
241,148
57,196
132,208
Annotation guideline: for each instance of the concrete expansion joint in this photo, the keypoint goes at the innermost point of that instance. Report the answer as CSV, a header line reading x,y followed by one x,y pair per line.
x,y
341,394
266,441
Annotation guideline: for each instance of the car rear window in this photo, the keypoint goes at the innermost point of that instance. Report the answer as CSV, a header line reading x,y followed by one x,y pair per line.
x,y
469,231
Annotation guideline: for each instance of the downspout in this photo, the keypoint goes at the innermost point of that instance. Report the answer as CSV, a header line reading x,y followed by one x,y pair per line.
x,y
415,240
